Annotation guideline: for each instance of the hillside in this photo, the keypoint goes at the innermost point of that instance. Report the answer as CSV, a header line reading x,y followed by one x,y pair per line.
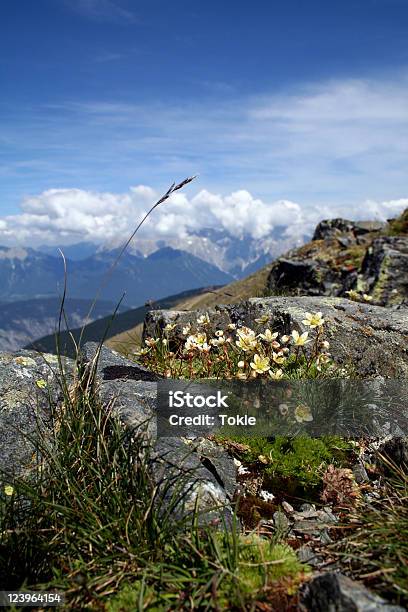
x,y
23,322
96,330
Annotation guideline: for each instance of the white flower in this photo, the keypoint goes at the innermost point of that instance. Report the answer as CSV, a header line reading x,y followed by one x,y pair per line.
x,y
277,375
142,351
197,342
186,329
219,333
242,470
260,364
313,320
300,340
169,327
203,319
247,339
268,336
303,414
231,326
244,332
217,341
285,339
278,358
241,364
283,409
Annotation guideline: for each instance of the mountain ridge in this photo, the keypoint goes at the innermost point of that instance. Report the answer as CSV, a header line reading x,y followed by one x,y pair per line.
x,y
29,274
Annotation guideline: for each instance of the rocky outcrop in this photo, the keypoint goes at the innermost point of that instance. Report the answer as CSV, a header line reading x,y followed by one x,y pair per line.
x,y
374,339
335,228
367,257
311,277
370,338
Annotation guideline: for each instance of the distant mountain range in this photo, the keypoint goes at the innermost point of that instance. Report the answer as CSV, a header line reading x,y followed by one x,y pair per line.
x,y
23,322
236,256
150,269
29,274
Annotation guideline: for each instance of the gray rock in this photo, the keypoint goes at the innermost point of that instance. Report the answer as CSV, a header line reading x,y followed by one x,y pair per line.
x,y
306,555
395,449
333,228
287,507
308,527
308,508
346,255
189,480
298,275
360,473
332,592
372,339
28,386
112,366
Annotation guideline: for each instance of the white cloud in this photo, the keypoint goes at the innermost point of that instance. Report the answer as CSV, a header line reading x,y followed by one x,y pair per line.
x,y
63,216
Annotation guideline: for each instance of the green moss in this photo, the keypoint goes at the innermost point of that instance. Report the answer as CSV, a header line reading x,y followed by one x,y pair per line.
x,y
297,463
260,563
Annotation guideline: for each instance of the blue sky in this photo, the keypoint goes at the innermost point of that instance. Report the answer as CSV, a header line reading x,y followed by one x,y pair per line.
x,y
302,101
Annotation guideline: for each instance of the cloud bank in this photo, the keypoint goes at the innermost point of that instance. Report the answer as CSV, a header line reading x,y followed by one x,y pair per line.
x,y
66,216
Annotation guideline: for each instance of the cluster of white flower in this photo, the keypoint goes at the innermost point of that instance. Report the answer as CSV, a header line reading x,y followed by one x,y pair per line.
x,y
243,352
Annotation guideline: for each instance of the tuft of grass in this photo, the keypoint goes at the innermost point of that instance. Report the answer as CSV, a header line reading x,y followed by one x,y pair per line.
x,y
90,512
